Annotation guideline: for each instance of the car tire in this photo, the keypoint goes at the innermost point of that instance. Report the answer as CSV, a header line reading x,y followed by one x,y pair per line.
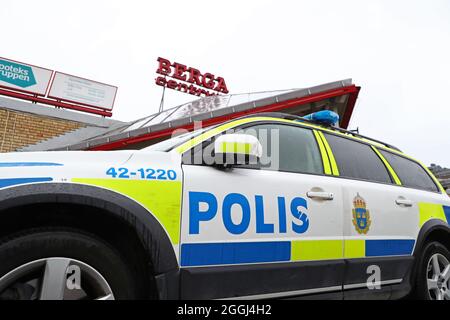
x,y
41,252
428,285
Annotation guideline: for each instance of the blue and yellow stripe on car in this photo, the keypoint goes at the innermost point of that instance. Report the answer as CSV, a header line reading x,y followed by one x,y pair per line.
x,y
161,198
428,211
229,253
363,248
29,164
9,182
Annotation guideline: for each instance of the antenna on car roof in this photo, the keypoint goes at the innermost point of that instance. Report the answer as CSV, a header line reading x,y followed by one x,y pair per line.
x,y
355,130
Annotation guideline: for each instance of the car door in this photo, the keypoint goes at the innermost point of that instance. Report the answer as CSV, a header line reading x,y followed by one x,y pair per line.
x,y
379,219
421,191
272,230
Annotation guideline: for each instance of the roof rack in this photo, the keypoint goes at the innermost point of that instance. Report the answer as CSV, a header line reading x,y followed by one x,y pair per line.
x,y
299,118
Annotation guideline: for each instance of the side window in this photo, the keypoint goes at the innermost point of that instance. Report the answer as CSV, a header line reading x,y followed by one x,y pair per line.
x,y
357,160
286,148
410,173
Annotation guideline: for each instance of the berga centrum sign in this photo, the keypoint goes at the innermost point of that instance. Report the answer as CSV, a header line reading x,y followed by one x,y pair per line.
x,y
188,79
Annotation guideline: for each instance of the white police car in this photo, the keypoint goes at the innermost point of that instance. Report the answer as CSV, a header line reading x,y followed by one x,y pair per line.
x,y
266,206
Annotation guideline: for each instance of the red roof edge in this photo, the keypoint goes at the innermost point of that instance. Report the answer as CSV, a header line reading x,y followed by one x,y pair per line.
x,y
55,103
352,91
350,107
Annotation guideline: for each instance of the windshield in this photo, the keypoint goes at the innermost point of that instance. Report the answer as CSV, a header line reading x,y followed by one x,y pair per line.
x,y
174,142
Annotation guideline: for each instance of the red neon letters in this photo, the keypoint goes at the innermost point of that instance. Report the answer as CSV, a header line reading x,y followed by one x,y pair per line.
x,y
193,76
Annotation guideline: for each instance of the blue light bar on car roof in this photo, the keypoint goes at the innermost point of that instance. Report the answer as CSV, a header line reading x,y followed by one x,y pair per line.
x,y
326,117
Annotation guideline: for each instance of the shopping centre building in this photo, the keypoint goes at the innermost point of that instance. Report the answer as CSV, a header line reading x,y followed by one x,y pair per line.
x,y
26,126
43,110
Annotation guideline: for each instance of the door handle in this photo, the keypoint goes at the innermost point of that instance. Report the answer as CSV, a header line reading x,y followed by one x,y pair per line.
x,y
404,202
320,195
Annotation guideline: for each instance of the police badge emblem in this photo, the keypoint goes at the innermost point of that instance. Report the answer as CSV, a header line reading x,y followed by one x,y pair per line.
x,y
361,216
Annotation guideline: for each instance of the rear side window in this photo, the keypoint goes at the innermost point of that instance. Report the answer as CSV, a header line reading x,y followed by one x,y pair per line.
x,y
411,174
357,160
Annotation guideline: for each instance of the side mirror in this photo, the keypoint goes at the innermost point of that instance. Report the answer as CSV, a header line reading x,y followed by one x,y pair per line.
x,y
237,149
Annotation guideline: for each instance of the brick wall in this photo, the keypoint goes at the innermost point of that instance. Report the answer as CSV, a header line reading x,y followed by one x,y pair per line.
x,y
20,129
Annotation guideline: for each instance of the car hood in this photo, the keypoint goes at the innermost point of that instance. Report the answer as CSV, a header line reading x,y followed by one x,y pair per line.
x,y
65,166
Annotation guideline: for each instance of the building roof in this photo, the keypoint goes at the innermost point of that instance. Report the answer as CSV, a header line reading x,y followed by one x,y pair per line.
x,y
442,174
339,96
89,124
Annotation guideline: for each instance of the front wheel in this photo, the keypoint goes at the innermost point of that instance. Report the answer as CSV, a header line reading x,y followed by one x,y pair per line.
x,y
433,276
62,265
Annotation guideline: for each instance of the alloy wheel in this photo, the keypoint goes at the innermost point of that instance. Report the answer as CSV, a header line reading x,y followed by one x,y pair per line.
x,y
55,278
438,277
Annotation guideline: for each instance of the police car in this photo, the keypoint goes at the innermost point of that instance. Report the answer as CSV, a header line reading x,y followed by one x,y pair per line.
x,y
265,206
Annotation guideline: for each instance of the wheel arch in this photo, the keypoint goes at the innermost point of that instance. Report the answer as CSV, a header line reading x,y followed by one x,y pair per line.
x,y
433,229
151,234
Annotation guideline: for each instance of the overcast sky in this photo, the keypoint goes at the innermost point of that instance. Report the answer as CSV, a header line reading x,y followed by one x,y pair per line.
x,y
397,51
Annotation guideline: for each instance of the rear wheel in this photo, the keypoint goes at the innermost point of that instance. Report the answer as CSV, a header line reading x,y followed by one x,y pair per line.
x,y
433,277
63,264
